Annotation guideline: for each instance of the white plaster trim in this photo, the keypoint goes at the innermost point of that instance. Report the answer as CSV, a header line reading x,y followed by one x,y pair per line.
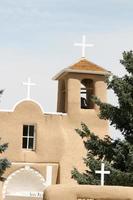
x,y
66,70
26,194
55,113
32,163
26,168
49,171
21,101
59,74
34,101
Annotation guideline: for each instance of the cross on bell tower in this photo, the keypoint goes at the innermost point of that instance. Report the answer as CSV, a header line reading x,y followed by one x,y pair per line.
x,y
29,84
84,45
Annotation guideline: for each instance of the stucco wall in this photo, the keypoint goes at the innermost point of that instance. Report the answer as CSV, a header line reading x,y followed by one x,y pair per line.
x,y
56,139
83,192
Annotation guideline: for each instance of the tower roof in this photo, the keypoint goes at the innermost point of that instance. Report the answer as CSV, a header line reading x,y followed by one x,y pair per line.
x,y
83,66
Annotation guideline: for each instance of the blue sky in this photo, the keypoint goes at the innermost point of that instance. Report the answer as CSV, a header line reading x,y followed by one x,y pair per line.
x,y
37,37
30,22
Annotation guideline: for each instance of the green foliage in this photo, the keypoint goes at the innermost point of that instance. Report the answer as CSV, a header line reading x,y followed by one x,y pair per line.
x,y
116,154
121,116
4,163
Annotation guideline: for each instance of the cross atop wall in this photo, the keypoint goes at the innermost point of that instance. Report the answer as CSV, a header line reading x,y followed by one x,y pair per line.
x,y
102,172
29,84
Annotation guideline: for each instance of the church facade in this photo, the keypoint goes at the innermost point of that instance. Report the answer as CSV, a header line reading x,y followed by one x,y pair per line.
x,y
44,148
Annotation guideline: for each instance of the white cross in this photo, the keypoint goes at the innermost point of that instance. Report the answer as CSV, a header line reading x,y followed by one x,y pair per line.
x,y
83,45
102,172
28,84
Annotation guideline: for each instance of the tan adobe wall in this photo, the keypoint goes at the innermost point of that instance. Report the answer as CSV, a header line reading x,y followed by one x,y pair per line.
x,y
85,192
56,139
69,91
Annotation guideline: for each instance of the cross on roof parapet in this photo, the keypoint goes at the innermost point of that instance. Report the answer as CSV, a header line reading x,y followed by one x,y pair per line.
x,y
29,84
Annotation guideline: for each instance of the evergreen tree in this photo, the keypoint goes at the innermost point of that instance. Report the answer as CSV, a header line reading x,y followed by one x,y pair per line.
x,y
4,163
116,154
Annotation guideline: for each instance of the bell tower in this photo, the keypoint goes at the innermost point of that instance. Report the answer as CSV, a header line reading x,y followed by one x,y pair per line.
x,y
76,85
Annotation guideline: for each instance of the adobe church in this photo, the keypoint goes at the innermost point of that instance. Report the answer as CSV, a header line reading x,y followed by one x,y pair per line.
x,y
44,148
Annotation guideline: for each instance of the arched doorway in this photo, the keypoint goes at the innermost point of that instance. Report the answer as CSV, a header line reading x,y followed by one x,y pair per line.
x,y
24,184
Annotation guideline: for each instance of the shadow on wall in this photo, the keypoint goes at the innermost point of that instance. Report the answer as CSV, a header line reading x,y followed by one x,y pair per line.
x,y
87,192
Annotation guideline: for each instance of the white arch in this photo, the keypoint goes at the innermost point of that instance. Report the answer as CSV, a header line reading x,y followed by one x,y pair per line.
x,y
29,171
21,101
28,100
34,101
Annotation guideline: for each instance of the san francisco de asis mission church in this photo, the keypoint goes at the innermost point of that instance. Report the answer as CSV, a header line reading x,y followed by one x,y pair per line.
x,y
44,148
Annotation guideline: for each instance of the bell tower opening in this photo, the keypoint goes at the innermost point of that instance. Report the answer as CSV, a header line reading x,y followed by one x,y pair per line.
x,y
86,92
